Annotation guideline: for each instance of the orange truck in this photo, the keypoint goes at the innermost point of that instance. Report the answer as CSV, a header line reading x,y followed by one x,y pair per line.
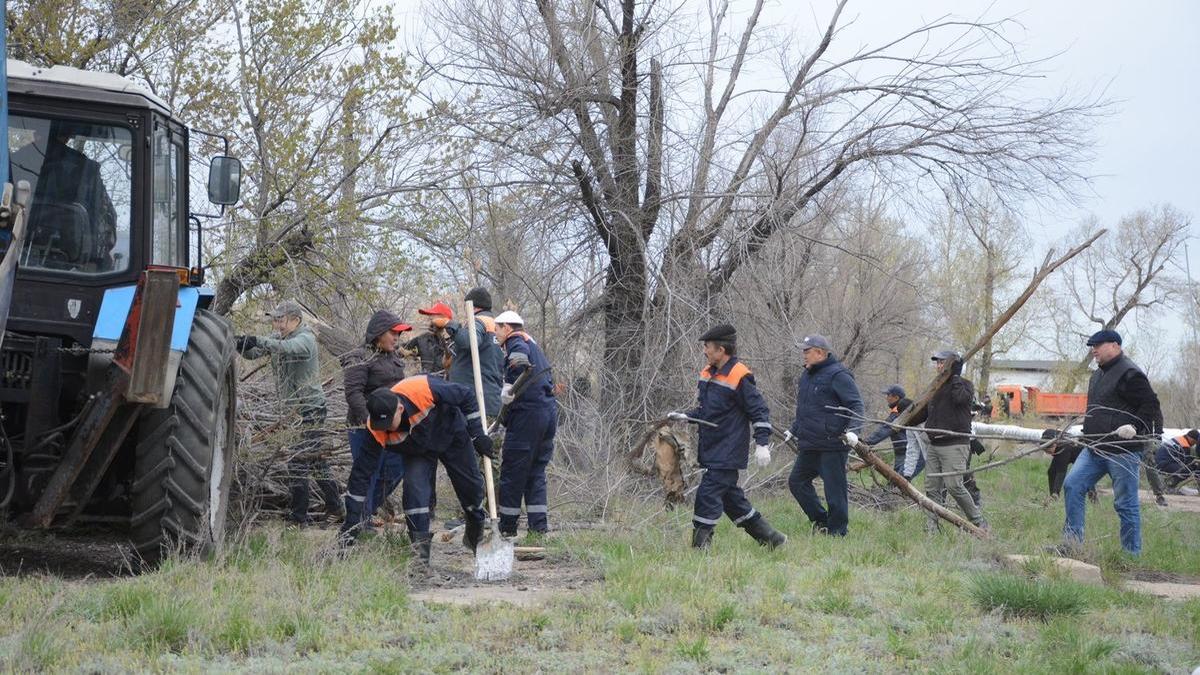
x,y
1017,401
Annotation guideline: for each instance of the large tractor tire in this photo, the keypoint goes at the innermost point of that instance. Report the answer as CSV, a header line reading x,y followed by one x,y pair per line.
x,y
184,457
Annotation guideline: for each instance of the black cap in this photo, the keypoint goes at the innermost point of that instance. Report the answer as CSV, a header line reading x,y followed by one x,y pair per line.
x,y
381,406
946,355
895,390
1193,434
721,332
480,297
1102,336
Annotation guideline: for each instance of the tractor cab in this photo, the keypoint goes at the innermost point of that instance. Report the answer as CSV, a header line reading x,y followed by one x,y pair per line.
x,y
108,167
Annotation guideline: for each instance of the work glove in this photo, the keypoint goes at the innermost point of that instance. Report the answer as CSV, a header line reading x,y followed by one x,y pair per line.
x,y
762,455
518,360
850,438
506,394
1126,431
245,343
483,447
787,436
677,416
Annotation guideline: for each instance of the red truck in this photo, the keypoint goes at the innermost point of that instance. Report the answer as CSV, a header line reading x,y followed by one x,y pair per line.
x,y
1015,400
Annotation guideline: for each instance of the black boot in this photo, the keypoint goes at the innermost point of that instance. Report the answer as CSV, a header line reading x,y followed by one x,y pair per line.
x,y
352,525
472,534
763,533
421,542
702,538
299,492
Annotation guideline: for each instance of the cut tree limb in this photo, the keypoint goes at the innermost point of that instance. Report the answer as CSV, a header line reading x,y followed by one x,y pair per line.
x,y
864,452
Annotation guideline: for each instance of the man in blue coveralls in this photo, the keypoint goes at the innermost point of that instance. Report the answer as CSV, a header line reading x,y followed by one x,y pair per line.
x,y
729,399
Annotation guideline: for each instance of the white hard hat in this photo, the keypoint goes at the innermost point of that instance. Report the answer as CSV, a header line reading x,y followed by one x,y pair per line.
x,y
511,318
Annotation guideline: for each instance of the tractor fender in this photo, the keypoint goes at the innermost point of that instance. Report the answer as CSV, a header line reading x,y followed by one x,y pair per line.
x,y
110,321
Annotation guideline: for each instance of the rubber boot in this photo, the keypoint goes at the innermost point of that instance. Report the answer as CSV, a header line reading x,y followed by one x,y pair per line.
x,y
352,524
421,543
763,533
299,492
472,534
702,538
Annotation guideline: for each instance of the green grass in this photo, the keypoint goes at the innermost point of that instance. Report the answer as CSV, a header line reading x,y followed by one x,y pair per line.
x,y
1033,598
887,598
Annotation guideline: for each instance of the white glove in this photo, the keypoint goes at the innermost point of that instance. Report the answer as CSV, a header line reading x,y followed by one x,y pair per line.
x,y
850,438
677,416
506,395
1126,431
787,436
762,455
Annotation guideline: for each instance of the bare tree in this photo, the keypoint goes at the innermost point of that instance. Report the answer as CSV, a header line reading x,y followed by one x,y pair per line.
x,y
683,185
1131,271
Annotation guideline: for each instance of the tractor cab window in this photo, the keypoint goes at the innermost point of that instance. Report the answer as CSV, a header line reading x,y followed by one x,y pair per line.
x,y
166,246
81,180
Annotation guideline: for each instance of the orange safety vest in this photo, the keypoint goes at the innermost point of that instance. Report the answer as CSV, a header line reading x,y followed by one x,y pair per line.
x,y
730,381
416,389
1183,441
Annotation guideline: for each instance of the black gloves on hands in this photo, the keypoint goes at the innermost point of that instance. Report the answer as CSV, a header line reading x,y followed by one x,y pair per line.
x,y
244,343
484,447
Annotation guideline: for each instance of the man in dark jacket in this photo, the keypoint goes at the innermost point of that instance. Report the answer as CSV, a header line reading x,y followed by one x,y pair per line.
x,y
491,357
530,425
817,432
947,421
1179,458
377,363
427,420
732,404
1122,413
897,402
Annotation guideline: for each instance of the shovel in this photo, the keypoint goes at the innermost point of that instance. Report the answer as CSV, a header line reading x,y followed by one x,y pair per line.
x,y
494,554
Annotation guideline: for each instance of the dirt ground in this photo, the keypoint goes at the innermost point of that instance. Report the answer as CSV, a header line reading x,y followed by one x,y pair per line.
x,y
535,579
70,554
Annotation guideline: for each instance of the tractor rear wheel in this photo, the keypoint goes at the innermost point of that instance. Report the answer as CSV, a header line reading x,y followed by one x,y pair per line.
x,y
184,454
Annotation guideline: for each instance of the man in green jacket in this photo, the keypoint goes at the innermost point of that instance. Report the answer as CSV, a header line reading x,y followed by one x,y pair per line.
x,y
293,352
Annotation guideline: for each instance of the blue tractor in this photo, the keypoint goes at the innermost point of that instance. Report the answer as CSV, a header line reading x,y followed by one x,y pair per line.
x,y
117,385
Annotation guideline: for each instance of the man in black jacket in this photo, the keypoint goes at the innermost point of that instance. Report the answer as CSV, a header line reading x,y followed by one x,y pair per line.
x,y
1122,412
947,420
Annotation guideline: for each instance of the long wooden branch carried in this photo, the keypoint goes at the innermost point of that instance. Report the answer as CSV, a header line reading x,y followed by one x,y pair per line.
x,y
864,452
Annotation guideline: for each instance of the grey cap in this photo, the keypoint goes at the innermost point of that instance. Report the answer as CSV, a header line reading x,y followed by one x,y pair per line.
x,y
816,341
286,308
946,355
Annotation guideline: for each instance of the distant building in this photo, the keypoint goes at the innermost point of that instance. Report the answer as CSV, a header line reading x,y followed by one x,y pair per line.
x,y
1026,373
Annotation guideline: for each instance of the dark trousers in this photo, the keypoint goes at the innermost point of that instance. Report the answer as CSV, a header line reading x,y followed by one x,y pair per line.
x,y
528,448
389,471
458,456
719,493
830,466
304,467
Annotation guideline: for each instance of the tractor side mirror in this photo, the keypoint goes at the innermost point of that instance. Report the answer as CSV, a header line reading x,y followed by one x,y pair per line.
x,y
224,180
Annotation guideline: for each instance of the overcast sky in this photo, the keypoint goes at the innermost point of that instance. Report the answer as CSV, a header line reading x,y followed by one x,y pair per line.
x,y
1144,54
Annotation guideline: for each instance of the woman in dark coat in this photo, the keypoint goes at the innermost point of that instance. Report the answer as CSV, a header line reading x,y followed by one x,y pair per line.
x,y
378,363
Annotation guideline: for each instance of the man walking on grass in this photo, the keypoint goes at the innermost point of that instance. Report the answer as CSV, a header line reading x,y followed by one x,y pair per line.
x,y
825,385
728,399
947,420
1122,412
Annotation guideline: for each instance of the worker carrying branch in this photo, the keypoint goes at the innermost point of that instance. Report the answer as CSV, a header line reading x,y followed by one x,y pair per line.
x,y
732,404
